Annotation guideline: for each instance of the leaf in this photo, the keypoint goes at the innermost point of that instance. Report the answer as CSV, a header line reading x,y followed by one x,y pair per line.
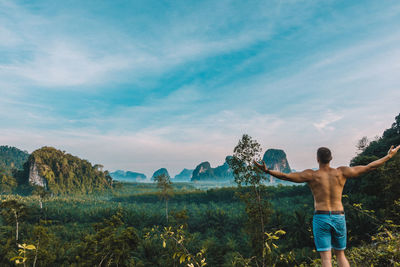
x,y
164,244
280,232
267,245
182,258
30,247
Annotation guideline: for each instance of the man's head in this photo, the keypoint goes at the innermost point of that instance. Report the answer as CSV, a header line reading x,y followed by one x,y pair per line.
x,y
324,155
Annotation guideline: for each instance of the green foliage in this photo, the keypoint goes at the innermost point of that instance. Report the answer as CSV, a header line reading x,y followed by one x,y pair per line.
x,y
177,238
22,257
380,146
13,211
11,162
11,158
7,183
258,208
79,227
65,173
164,183
378,189
244,171
112,244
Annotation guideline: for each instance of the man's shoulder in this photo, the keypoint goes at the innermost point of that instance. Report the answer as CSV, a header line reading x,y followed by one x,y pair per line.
x,y
309,173
342,168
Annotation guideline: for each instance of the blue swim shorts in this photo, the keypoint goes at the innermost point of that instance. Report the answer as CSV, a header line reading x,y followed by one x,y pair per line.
x,y
329,231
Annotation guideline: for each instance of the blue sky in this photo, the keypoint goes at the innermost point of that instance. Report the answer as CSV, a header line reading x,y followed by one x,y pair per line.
x,y
139,85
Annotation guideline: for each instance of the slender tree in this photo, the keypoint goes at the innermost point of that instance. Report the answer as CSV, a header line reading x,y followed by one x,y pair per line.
x,y
42,193
13,210
164,183
258,208
362,144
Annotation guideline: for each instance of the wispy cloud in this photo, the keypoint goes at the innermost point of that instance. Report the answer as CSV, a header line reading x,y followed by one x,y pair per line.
x,y
326,123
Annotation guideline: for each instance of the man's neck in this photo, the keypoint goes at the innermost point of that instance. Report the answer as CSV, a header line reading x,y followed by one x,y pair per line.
x,y
323,166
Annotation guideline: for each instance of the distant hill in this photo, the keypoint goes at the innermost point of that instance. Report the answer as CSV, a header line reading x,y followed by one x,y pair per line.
x,y
183,176
12,158
275,159
128,176
60,172
204,172
159,172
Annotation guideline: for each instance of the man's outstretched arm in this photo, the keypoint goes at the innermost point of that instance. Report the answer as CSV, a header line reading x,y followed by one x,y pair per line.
x,y
296,177
351,172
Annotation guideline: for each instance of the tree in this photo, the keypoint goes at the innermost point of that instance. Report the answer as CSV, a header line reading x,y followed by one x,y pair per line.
x,y
22,254
12,210
42,194
112,244
44,241
362,144
7,183
164,183
258,208
177,238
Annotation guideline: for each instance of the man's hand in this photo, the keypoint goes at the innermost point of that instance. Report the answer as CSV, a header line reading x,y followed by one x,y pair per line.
x,y
392,151
262,166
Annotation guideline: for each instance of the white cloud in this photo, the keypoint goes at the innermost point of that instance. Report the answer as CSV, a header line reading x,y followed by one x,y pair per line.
x,y
64,65
324,124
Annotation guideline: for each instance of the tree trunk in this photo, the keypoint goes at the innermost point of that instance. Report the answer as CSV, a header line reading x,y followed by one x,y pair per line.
x,y
16,223
166,209
36,253
262,223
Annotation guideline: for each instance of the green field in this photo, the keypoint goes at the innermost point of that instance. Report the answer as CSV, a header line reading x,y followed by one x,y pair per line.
x,y
214,219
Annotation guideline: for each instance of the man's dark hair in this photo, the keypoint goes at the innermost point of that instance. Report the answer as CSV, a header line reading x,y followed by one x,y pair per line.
x,y
324,155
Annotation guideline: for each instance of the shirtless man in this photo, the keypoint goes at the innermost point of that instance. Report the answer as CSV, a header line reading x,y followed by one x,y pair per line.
x,y
326,183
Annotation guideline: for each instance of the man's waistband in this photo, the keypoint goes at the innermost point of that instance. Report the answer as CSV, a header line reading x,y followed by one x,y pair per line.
x,y
329,212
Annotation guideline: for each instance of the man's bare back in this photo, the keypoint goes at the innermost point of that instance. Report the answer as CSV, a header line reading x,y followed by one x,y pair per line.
x,y
327,187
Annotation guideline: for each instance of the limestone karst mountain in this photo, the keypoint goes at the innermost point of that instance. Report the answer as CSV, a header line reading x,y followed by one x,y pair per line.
x,y
184,176
276,159
159,172
128,176
60,172
204,172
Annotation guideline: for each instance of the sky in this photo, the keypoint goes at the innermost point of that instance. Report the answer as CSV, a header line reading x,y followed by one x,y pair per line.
x,y
140,85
